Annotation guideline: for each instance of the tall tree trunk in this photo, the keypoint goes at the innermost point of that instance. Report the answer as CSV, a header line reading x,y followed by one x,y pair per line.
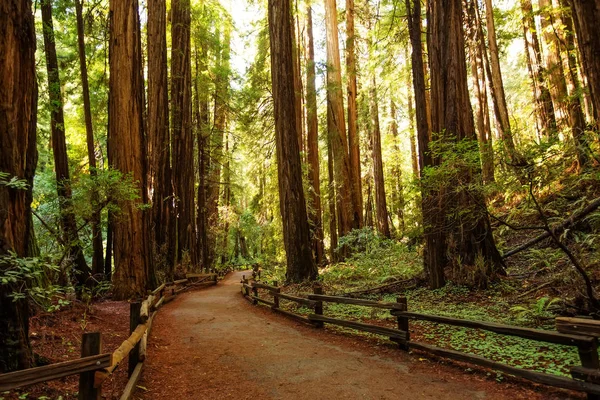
x,y
348,205
554,67
576,114
331,200
397,169
353,139
452,117
497,89
226,201
543,101
296,234
216,159
158,135
484,133
203,134
414,156
297,76
182,137
586,14
127,150
434,258
97,256
313,145
18,158
59,149
380,201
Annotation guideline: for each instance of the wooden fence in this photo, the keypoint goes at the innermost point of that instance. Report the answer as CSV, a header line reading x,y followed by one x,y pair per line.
x,y
577,332
94,368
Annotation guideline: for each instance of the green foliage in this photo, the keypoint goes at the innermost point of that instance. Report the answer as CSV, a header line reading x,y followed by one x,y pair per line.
x,y
29,278
374,259
539,310
12,182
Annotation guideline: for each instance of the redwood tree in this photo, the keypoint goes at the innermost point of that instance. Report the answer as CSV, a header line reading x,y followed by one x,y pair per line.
x,y
127,150
70,236
18,158
296,235
452,119
158,133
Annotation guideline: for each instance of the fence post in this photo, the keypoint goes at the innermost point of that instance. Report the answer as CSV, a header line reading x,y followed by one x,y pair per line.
x,y
134,320
91,345
589,359
318,289
403,323
254,293
275,296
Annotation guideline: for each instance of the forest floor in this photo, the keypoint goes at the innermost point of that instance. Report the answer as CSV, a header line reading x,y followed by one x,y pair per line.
x,y
212,344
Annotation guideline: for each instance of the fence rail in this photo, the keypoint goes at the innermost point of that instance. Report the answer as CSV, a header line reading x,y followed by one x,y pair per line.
x,y
577,332
94,368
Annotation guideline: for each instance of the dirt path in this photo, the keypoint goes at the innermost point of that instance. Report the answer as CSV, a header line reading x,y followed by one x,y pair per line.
x,y
212,344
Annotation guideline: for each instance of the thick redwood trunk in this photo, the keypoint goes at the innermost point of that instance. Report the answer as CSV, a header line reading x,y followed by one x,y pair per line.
x,y
296,234
331,201
127,151
313,146
586,14
18,158
158,136
182,138
353,138
452,117
59,149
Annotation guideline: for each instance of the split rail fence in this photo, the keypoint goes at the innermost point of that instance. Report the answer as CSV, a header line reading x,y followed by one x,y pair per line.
x,y
93,367
581,333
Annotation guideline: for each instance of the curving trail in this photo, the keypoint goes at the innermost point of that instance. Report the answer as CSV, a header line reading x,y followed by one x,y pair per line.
x,y
213,344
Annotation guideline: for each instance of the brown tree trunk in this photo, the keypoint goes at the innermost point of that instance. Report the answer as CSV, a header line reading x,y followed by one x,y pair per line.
x,y
216,159
544,108
452,117
313,146
414,156
348,210
127,151
296,234
182,137
497,89
97,256
353,139
59,149
203,134
576,115
18,158
331,200
554,67
226,201
484,133
397,169
380,201
297,78
586,14
158,135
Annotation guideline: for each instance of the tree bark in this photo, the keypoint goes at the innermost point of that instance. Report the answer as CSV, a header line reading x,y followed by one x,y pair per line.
x,y
497,89
127,151
353,137
484,133
97,255
59,148
158,136
296,234
397,169
586,14
380,201
182,138
331,200
452,118
313,146
544,108
18,158
348,210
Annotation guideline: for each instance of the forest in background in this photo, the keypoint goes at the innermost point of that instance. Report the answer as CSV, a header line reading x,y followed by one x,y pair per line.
x,y
369,144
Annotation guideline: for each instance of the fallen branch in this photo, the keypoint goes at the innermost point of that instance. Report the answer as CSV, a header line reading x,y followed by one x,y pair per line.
x,y
555,229
535,289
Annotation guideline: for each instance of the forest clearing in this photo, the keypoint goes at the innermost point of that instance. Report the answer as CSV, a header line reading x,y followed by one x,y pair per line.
x,y
413,186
